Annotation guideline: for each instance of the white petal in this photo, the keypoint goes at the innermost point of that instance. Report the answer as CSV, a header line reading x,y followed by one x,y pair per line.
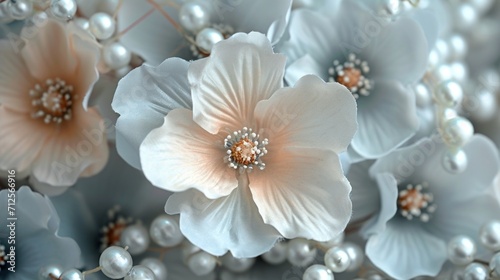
x,y
405,250
311,114
180,155
365,194
302,193
386,118
227,223
226,87
15,79
154,38
304,66
143,98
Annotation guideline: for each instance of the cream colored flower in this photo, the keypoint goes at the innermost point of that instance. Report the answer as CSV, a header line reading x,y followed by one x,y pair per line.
x,y
45,130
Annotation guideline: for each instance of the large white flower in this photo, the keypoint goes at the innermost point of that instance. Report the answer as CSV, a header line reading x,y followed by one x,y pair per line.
x,y
242,119
45,130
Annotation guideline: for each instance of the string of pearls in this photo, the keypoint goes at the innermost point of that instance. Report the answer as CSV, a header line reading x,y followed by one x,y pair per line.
x,y
462,252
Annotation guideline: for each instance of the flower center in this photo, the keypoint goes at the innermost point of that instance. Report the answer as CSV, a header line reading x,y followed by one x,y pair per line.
x,y
351,74
416,202
52,101
111,232
245,149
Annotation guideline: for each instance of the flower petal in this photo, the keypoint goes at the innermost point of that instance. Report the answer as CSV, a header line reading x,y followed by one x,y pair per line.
x,y
226,87
143,98
208,224
405,250
302,193
386,118
365,194
311,114
304,66
15,79
180,155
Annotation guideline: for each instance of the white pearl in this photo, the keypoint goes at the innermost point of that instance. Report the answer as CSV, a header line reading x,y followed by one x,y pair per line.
x,y
116,55
45,272
434,59
336,241
188,249
194,16
72,274
461,250
457,131
481,106
489,235
159,269
122,71
466,16
444,73
301,252
83,23
237,265
475,271
455,162
277,254
140,272
449,94
20,9
63,9
459,71
482,6
207,38
443,49
165,231
115,262
318,272
495,264
356,255
201,263
337,259
422,95
136,238
102,26
458,46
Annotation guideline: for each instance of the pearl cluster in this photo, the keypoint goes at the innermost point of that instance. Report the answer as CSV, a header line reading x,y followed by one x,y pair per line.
x,y
462,253
245,149
53,101
352,74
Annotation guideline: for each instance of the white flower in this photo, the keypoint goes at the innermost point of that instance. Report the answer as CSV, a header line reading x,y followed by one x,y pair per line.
x,y
45,130
243,119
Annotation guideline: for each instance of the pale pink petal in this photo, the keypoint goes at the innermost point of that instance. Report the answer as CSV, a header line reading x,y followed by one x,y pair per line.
x,y
311,114
21,140
15,79
180,155
302,193
226,87
48,52
76,148
228,223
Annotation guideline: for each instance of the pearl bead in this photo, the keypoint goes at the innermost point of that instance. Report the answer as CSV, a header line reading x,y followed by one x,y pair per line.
x,y
188,249
466,17
356,255
434,59
455,162
194,16
461,250
159,269
489,235
63,9
136,238
140,272
457,131
449,94
337,259
201,263
475,271
115,55
72,274
336,241
83,23
277,254
237,265
458,46
482,6
495,264
443,49
165,231
301,252
318,272
444,72
459,72
102,26
45,272
422,95
20,9
115,262
481,106
207,38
